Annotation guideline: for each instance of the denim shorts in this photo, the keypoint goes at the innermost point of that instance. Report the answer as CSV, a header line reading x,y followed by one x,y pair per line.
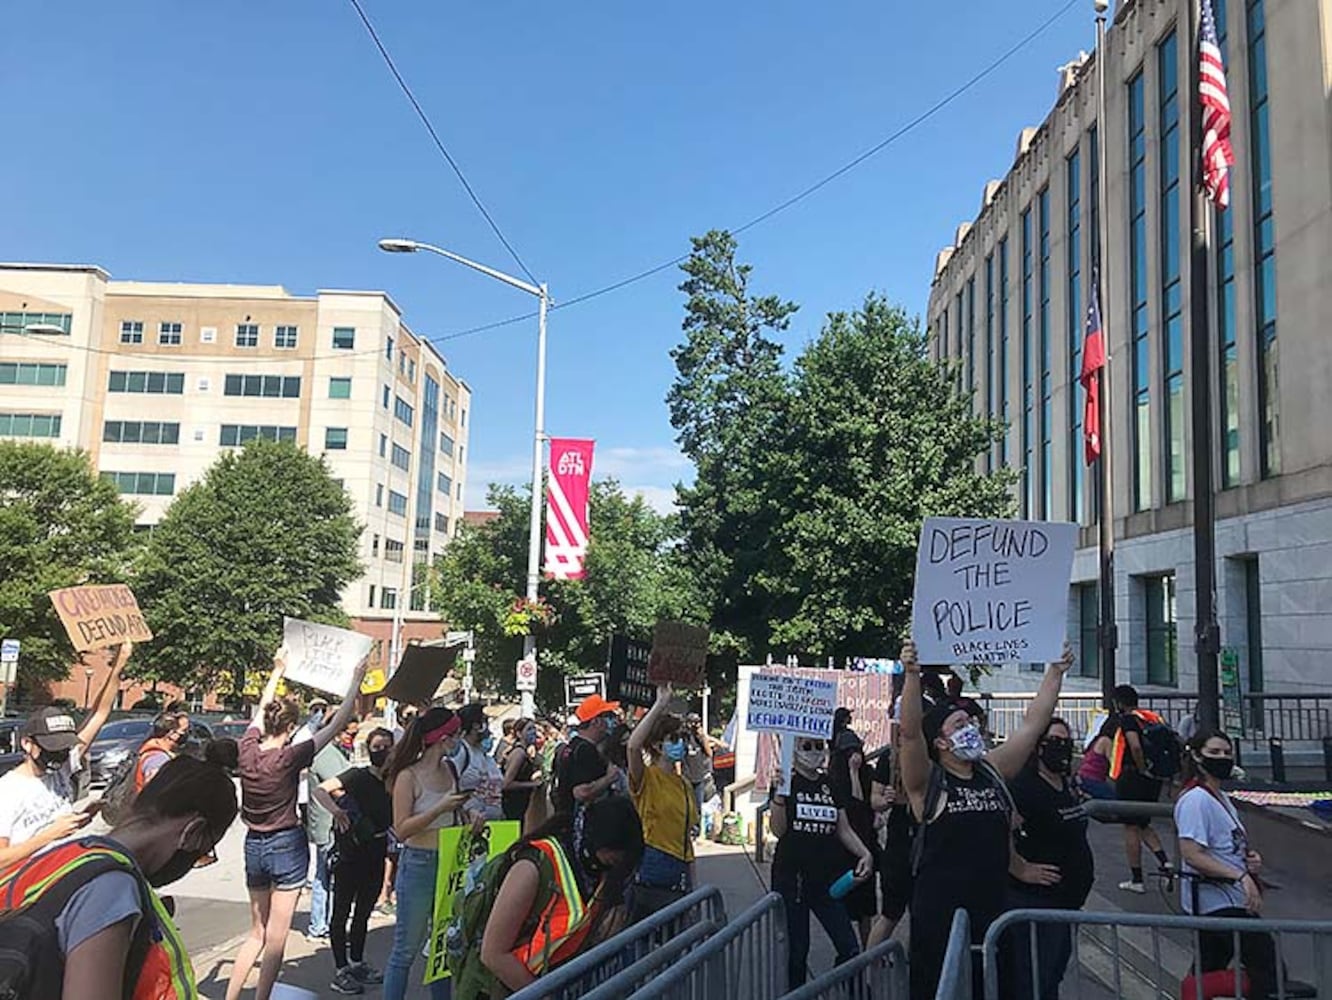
x,y
277,860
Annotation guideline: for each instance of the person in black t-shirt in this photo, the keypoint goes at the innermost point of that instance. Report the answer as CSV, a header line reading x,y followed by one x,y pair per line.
x,y
582,774
1053,866
1128,770
852,782
362,814
810,824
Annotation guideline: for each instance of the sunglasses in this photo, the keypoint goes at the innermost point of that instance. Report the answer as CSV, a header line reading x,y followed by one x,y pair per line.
x,y
811,745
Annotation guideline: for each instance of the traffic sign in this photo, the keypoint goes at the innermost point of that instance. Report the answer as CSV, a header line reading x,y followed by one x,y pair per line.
x,y
583,686
527,674
9,651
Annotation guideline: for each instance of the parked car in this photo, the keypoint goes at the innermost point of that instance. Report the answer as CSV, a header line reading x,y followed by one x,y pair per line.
x,y
232,730
120,740
11,754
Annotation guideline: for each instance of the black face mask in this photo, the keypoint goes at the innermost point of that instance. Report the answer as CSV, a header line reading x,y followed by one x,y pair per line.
x,y
1219,768
178,866
1057,755
379,757
51,761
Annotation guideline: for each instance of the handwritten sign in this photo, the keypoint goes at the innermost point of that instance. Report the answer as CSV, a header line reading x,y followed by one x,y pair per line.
x,y
992,591
679,654
323,656
802,706
100,616
459,847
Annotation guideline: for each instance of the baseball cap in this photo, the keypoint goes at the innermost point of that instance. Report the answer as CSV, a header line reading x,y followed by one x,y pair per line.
x,y
934,719
52,729
592,706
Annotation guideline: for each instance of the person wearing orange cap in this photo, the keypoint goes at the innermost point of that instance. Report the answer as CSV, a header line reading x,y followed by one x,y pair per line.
x,y
582,774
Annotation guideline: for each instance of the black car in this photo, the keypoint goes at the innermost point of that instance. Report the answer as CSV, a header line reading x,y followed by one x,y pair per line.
x,y
120,740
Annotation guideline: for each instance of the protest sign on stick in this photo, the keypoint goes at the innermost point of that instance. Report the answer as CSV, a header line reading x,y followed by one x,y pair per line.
x,y
323,657
100,616
679,654
992,591
802,706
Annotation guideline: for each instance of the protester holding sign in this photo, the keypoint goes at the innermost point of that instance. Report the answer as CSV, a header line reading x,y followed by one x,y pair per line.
x,y
277,855
957,794
37,796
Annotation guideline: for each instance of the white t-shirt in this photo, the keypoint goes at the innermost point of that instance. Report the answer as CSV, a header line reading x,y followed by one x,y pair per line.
x,y
28,804
1212,823
479,774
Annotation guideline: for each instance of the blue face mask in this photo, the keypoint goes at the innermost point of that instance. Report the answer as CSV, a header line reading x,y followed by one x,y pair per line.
x,y
674,750
612,723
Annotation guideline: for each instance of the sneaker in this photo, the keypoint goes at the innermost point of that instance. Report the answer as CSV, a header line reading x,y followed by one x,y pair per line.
x,y
1131,886
346,983
367,974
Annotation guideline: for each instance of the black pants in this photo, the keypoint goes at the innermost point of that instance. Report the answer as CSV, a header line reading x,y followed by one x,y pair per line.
x,y
357,879
1257,953
1054,947
799,903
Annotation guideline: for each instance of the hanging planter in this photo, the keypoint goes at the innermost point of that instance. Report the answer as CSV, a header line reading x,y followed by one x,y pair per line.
x,y
524,616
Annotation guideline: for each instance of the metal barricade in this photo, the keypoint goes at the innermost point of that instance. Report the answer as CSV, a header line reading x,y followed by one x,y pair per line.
x,y
701,908
877,974
745,959
955,981
1151,955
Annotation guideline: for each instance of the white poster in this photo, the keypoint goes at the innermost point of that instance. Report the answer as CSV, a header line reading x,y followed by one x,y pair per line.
x,y
992,591
323,656
802,706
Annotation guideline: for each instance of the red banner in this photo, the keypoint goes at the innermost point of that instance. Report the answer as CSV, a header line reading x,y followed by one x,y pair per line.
x,y
566,508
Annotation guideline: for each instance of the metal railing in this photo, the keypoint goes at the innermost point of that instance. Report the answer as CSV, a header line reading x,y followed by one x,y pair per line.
x,y
877,974
701,910
746,958
955,981
1150,955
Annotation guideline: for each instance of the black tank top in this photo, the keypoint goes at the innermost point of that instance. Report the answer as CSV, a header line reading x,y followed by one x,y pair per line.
x,y
965,860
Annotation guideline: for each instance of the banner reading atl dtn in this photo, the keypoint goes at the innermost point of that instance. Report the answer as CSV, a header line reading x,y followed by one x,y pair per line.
x,y
567,507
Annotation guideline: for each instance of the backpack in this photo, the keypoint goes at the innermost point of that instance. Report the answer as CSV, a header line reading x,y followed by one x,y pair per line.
x,y
933,796
120,792
472,904
561,797
31,964
1162,749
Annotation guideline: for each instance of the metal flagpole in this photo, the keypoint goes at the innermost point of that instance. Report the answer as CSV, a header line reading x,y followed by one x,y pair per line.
x,y
1107,632
1206,631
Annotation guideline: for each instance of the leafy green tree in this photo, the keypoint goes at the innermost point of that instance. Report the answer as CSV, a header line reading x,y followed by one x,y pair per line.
x,y
60,525
266,532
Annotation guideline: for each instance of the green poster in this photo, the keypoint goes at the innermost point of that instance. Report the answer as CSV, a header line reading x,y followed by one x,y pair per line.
x,y
1232,716
457,847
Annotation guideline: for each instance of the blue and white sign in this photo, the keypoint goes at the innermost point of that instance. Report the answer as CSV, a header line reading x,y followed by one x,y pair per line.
x,y
801,706
9,651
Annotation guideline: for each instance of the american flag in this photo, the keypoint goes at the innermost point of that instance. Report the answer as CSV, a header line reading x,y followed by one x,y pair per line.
x,y
1093,360
1217,154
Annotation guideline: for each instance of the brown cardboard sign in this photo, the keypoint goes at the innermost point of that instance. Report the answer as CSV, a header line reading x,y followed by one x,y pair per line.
x,y
100,616
679,654
420,672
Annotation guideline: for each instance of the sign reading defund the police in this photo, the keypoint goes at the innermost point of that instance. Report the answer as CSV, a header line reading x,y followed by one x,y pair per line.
x,y
323,656
801,706
992,591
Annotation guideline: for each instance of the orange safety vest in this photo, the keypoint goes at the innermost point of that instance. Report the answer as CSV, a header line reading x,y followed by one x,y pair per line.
x,y
163,745
166,972
565,922
1119,745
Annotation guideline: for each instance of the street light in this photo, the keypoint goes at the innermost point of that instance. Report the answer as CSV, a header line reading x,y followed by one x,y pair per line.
x,y
399,245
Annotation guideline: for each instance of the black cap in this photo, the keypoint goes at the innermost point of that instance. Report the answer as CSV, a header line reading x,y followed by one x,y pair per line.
x,y
938,715
52,729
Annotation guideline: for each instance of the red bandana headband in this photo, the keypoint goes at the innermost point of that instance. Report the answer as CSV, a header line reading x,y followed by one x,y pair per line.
x,y
448,729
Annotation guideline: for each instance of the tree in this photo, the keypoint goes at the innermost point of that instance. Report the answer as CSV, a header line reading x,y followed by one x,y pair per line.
x,y
633,579
266,532
60,525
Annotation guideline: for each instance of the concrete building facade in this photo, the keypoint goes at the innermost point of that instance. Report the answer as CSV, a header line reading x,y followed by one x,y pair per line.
x,y
1009,303
156,380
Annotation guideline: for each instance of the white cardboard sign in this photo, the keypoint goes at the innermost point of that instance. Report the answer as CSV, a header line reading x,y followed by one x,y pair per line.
x,y
801,706
323,656
992,591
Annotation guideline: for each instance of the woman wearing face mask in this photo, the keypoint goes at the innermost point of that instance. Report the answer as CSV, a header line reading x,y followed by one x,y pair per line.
x,y
521,774
666,805
477,771
115,936
362,814
1052,867
852,784
957,794
423,783
813,840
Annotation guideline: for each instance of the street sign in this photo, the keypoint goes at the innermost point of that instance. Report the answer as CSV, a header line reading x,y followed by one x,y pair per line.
x,y
583,686
457,638
9,651
527,674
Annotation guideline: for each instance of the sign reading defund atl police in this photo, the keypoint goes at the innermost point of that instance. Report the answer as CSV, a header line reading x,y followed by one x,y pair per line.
x,y
799,706
991,591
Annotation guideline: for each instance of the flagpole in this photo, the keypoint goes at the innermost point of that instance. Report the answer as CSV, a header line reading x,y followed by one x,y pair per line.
x,y
1207,633
1107,633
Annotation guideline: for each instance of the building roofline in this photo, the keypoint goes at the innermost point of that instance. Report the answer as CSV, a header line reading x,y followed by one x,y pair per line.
x,y
65,268
378,292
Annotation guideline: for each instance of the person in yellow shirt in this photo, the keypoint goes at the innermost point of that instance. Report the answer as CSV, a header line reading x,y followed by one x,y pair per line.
x,y
666,806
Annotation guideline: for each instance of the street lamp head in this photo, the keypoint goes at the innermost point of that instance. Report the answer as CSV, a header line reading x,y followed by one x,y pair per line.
x,y
399,246
1101,6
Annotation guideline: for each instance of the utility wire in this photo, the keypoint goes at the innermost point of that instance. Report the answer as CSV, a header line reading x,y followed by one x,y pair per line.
x,y
439,143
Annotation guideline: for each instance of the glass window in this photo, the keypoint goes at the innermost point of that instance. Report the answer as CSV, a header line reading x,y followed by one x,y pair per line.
x,y
1228,367
389,599
140,432
411,370
131,331
1162,641
403,410
1140,390
402,458
388,349
383,445
30,425
335,439
247,334
445,484
445,444
988,380
1027,499
339,388
238,434
393,550
971,335
285,337
379,494
1045,498
155,383
442,523
1089,655
374,547
344,338
1075,323
1253,620
269,386
1172,296
50,324
371,602
1003,349
28,373
386,397
169,334
1264,246
143,483
397,503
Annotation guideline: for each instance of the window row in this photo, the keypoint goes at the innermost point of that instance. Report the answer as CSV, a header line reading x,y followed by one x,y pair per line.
x,y
45,322
140,432
234,435
30,425
31,373
286,336
156,383
270,386
143,483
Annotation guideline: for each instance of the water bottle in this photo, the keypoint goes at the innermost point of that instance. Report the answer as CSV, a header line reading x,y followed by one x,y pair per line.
x,y
843,885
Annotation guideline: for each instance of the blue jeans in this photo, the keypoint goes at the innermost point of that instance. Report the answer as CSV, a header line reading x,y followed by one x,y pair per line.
x,y
319,893
831,913
415,887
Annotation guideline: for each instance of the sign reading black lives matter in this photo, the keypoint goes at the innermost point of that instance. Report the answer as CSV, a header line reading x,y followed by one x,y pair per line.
x,y
991,591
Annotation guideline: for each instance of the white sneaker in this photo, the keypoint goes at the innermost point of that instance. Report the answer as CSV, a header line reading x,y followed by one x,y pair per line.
x,y
1132,886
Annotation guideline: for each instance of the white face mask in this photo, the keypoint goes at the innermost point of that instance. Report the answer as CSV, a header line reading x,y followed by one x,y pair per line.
x,y
968,743
809,762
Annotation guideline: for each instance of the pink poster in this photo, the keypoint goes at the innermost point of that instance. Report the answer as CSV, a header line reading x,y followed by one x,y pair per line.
x,y
567,508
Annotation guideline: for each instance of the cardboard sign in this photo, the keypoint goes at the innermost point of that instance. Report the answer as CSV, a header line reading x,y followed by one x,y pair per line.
x,y
323,657
992,591
420,672
100,616
802,706
583,686
458,849
679,654
628,672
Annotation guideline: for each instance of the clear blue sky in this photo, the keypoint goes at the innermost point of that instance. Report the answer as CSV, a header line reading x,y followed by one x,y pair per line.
x,y
266,142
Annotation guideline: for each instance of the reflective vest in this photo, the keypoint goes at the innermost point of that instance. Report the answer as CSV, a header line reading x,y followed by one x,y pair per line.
x,y
163,745
565,921
1119,745
165,972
